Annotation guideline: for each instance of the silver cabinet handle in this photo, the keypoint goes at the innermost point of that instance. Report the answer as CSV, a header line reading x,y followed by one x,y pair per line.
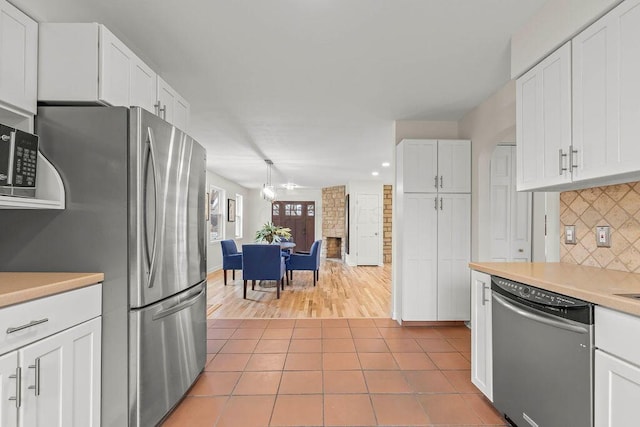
x,y
435,181
157,108
36,386
440,203
163,110
561,167
18,377
435,203
484,298
440,181
25,326
5,138
573,155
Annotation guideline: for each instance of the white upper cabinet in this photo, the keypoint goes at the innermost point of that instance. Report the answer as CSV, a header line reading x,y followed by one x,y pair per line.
x,y
19,64
143,86
606,95
420,168
430,166
454,166
86,63
115,69
172,107
601,147
543,122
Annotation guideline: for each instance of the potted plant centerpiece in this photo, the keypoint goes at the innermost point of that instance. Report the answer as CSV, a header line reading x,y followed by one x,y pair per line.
x,y
272,233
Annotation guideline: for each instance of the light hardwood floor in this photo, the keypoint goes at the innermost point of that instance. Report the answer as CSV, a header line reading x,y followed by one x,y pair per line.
x,y
342,291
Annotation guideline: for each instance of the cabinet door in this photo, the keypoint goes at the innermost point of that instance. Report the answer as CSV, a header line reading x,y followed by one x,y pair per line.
x,y
115,69
543,122
454,166
62,379
181,113
9,389
420,166
143,86
44,385
166,98
616,392
419,258
606,87
19,65
454,237
481,338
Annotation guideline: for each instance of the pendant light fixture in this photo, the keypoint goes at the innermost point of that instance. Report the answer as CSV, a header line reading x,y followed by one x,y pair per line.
x,y
268,191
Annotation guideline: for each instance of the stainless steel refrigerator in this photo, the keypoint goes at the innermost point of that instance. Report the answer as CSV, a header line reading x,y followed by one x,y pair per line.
x,y
135,197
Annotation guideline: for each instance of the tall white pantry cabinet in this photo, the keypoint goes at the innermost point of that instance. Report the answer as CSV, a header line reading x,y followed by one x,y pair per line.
x,y
433,208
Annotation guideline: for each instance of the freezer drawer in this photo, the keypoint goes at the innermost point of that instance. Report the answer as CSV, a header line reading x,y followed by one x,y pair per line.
x,y
168,351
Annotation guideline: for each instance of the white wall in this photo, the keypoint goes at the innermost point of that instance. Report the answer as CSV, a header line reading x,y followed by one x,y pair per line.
x,y
556,22
214,253
424,129
492,122
354,188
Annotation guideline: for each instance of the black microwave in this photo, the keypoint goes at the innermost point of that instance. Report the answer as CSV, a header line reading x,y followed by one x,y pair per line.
x,y
18,162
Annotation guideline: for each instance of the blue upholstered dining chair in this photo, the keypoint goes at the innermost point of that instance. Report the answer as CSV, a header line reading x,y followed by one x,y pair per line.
x,y
310,261
231,258
262,262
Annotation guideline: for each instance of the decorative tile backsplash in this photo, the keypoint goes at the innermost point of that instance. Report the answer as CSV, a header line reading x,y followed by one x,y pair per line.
x,y
617,206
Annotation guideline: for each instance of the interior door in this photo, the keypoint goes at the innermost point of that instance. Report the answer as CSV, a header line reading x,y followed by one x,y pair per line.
x,y
300,218
368,229
170,226
510,210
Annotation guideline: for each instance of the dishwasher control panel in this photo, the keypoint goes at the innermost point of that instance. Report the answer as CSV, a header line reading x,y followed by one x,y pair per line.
x,y
537,295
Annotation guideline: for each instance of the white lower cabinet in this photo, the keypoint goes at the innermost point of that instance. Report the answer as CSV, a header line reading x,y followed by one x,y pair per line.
x,y
481,336
617,391
435,256
9,389
55,381
617,369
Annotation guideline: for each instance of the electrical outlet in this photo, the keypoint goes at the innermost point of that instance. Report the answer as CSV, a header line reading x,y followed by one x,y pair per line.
x,y
603,236
570,235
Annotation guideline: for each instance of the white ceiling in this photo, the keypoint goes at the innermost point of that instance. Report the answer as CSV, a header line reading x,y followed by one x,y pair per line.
x,y
314,85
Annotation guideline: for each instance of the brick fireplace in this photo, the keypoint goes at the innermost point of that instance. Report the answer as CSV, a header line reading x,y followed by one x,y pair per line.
x,y
333,221
334,247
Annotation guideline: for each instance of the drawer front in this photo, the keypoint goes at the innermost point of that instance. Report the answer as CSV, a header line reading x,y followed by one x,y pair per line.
x,y
31,321
617,333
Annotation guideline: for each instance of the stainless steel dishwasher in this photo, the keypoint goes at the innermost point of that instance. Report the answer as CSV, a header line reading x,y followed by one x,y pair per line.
x,y
542,356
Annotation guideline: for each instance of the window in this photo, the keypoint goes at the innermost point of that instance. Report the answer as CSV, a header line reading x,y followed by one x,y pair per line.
x,y
293,209
239,214
216,212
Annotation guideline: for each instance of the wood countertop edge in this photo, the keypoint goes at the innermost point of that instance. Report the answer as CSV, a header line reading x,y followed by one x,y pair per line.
x,y
58,284
603,298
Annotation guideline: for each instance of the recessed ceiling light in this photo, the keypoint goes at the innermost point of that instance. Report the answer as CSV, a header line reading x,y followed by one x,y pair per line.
x,y
386,164
375,173
289,185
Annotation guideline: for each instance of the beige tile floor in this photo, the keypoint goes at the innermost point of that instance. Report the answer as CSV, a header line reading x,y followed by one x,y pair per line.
x,y
334,372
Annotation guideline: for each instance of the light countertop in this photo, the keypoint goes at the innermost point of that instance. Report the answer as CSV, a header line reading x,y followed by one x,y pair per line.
x,y
592,284
21,287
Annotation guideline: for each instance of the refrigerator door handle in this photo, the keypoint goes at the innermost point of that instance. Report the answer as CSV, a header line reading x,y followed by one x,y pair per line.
x,y
179,306
151,258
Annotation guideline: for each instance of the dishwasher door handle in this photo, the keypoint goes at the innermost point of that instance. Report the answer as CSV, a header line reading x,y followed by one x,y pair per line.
x,y
553,321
